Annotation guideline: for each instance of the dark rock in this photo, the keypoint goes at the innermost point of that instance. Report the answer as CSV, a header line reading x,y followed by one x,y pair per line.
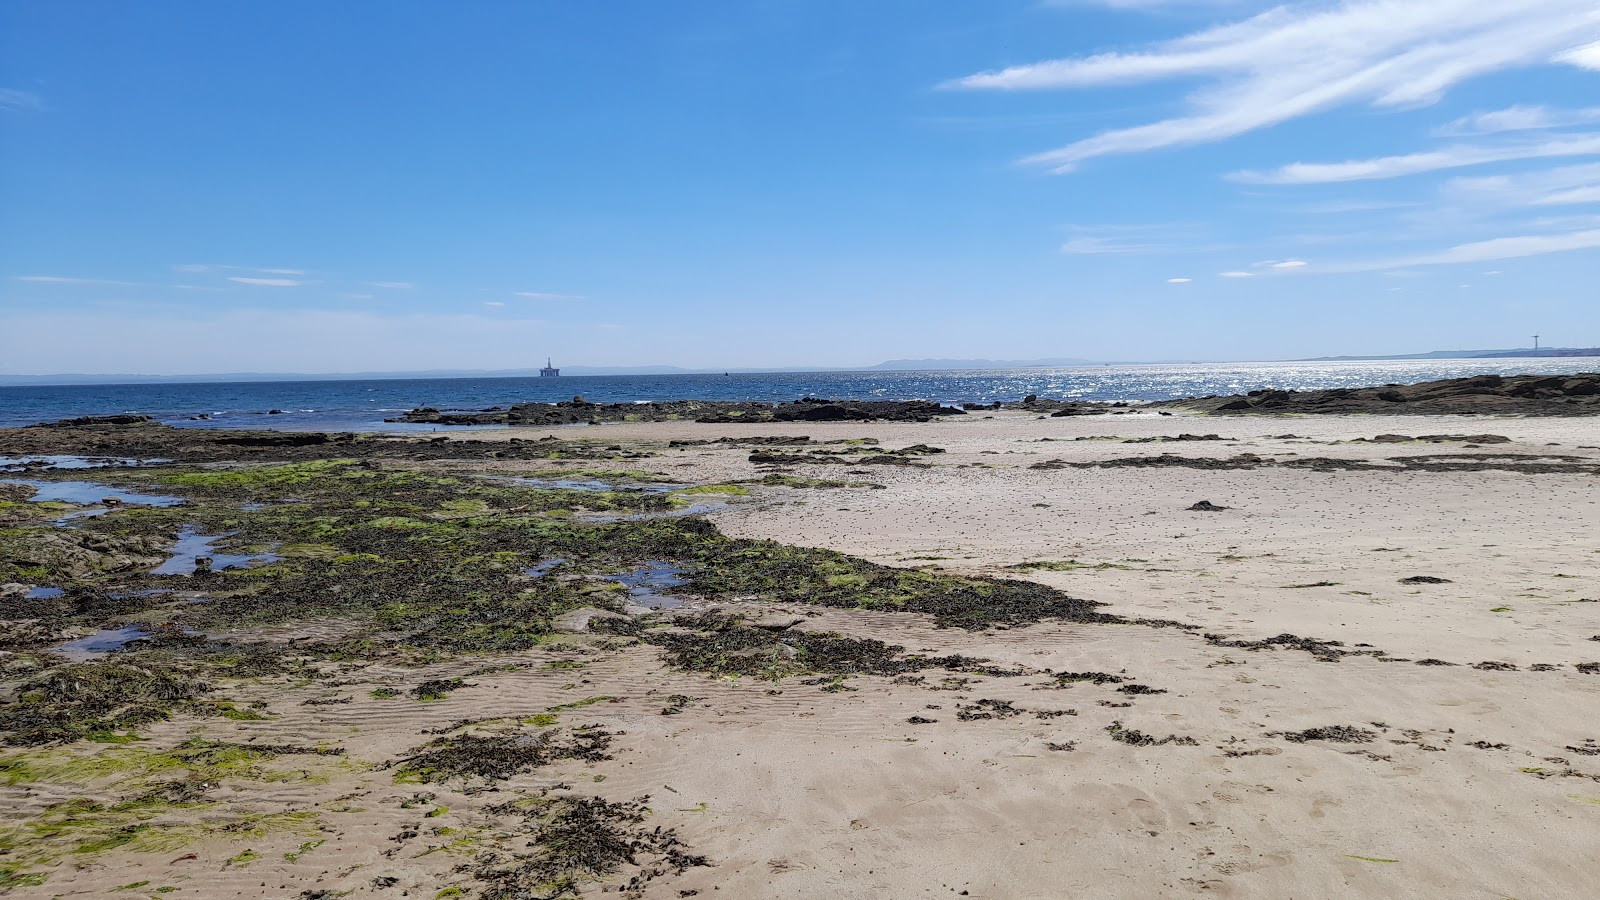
x,y
90,421
1561,395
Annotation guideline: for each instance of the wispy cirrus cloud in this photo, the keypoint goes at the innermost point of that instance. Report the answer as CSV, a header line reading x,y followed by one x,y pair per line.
x,y
543,295
1096,240
392,285
265,282
1455,157
14,99
1516,247
1518,118
1561,186
66,279
1296,60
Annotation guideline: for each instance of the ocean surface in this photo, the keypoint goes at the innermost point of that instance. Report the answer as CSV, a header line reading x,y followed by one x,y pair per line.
x,y
363,405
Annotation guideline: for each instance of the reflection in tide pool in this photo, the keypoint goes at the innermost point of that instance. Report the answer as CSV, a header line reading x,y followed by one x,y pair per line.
x,y
25,463
88,493
543,568
193,546
106,640
645,583
101,642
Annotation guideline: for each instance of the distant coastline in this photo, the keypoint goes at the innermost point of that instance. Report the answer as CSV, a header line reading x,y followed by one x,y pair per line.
x,y
893,365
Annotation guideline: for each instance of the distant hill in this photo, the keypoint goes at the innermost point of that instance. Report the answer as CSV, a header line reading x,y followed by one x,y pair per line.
x,y
1524,353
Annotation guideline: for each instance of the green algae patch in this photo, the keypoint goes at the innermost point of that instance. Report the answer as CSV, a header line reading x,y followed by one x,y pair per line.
x,y
86,828
304,848
729,490
198,760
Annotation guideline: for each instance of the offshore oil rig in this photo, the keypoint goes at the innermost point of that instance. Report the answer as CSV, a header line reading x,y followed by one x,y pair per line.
x,y
549,371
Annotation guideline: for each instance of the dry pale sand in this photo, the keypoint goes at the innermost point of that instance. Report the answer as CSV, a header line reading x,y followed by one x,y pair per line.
x,y
1471,787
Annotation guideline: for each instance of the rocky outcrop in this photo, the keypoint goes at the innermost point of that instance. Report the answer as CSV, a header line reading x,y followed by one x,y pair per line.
x,y
88,421
1531,395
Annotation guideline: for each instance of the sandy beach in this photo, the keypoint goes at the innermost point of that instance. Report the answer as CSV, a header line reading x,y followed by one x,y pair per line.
x,y
1368,674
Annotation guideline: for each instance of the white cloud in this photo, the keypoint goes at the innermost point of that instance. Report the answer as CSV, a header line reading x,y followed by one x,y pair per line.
x,y
1561,186
1094,240
1484,251
1518,118
1586,57
541,295
1456,157
265,282
1289,264
62,279
1236,275
357,296
493,303
1295,60
1142,4
1179,280
392,285
11,98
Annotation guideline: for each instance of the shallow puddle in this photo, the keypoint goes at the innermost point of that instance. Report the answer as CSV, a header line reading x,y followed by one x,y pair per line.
x,y
192,546
27,463
100,643
104,641
88,493
543,568
44,592
644,583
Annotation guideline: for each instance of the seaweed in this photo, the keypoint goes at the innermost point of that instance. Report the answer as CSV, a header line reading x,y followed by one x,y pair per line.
x,y
1136,738
725,646
1343,734
473,758
577,840
74,701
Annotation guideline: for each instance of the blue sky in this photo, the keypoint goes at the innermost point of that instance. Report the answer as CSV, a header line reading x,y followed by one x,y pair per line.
x,y
312,186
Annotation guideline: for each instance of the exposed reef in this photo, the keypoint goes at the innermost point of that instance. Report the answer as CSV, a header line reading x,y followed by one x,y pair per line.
x,y
578,411
1531,395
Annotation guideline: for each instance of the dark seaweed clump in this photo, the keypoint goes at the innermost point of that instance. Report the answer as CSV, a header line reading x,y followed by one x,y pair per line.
x,y
987,709
578,840
1066,679
471,757
437,688
1136,738
727,647
75,701
1326,651
1342,734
